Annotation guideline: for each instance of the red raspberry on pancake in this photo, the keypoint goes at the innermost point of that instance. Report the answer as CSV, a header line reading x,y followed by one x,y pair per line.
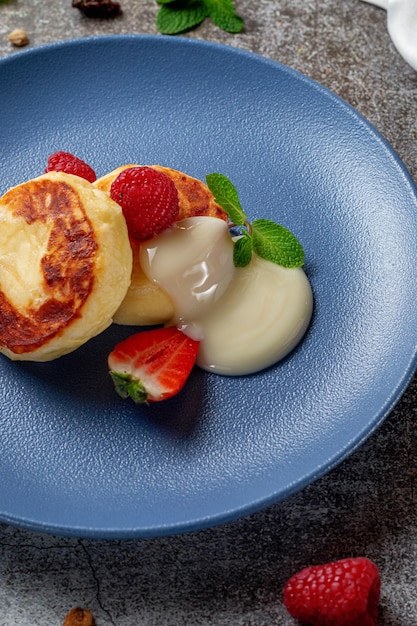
x,y
149,201
70,164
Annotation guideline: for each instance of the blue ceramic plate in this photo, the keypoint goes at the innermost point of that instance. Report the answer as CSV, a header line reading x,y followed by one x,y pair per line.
x,y
77,460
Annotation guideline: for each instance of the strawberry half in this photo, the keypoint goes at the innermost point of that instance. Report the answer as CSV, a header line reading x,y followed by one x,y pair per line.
x,y
152,365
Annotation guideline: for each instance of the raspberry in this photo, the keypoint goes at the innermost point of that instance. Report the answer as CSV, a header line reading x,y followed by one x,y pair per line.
x,y
343,593
149,201
70,164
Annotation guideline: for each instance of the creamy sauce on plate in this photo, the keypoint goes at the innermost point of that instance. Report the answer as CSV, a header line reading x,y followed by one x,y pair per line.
x,y
245,318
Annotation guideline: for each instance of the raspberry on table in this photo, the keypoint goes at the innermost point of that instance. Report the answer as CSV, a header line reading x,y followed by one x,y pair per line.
x,y
66,162
342,593
149,201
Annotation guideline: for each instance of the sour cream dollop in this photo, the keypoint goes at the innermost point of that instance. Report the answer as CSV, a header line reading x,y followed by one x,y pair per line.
x,y
245,318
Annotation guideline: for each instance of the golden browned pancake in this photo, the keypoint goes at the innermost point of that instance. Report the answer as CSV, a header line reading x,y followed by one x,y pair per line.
x,y
145,302
65,265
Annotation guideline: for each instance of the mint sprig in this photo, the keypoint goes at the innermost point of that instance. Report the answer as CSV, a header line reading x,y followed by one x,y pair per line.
x,y
178,16
242,250
223,14
268,240
225,194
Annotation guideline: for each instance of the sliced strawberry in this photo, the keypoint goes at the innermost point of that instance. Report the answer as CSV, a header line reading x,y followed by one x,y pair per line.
x,y
152,365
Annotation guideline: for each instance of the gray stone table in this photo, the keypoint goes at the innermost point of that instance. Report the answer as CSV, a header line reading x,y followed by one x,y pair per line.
x,y
233,574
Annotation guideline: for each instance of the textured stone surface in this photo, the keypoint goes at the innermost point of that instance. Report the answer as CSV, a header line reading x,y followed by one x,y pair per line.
x,y
233,575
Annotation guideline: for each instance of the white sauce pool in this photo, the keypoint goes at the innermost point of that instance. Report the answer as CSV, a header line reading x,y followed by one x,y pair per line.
x,y
245,318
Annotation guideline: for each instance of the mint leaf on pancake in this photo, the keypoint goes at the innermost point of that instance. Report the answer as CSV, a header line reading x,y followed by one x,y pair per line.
x,y
268,240
225,194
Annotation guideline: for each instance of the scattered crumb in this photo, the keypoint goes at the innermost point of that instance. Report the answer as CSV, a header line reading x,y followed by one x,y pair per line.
x,y
18,37
98,8
79,617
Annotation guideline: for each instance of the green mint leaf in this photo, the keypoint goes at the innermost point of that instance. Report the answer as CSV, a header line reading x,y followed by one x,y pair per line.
x,y
165,1
176,17
223,14
277,244
242,250
268,240
226,196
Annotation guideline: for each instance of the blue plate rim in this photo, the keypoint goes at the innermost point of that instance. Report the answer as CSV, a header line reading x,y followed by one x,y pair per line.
x,y
350,447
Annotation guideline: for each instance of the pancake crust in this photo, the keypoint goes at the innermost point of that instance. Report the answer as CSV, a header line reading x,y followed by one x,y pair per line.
x,y
65,265
145,302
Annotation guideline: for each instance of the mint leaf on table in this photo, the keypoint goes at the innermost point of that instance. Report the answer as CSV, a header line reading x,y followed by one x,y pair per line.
x,y
178,16
268,240
223,14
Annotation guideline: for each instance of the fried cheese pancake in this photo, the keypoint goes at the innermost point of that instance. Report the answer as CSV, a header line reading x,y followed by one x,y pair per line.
x,y
145,302
65,265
